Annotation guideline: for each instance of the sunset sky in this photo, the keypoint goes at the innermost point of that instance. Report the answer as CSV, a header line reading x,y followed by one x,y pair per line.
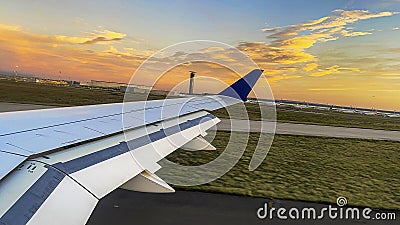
x,y
337,52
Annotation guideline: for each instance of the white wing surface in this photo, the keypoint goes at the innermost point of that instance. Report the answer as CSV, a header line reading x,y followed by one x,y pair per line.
x,y
56,164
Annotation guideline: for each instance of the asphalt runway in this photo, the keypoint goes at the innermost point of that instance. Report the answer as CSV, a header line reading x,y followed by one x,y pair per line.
x,y
307,130
8,107
124,207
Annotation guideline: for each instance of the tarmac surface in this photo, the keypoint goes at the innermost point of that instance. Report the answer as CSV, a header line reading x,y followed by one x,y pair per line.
x,y
307,130
124,207
8,107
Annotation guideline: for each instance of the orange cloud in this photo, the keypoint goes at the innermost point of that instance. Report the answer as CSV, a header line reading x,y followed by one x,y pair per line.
x,y
93,38
301,42
8,27
331,70
76,57
281,77
310,66
328,89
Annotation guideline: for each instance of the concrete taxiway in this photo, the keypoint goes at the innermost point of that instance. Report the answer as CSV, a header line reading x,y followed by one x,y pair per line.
x,y
267,127
8,107
307,130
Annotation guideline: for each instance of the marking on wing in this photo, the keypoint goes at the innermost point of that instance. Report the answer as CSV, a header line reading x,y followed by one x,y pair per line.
x,y
28,204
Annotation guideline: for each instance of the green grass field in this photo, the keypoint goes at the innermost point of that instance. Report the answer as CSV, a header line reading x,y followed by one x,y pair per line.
x,y
32,93
310,169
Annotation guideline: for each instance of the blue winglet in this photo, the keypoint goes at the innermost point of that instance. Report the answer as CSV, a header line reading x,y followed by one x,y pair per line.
x,y
241,88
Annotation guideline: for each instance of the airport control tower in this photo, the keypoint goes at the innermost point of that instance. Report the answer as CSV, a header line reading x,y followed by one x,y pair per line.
x,y
191,85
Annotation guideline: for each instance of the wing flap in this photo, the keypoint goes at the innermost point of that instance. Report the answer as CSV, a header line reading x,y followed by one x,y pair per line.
x,y
147,182
198,143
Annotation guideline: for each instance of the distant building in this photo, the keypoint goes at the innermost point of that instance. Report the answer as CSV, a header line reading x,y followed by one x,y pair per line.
x,y
136,88
133,88
50,81
106,84
24,79
73,83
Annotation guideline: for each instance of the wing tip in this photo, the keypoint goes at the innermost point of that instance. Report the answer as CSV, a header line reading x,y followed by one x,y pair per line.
x,y
242,87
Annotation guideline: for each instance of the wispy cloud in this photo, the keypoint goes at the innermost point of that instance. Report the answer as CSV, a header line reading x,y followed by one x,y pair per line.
x,y
289,44
332,69
282,77
90,38
104,36
329,89
385,90
346,33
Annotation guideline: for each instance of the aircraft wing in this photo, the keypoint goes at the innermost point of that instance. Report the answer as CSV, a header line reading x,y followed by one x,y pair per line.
x,y
56,164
